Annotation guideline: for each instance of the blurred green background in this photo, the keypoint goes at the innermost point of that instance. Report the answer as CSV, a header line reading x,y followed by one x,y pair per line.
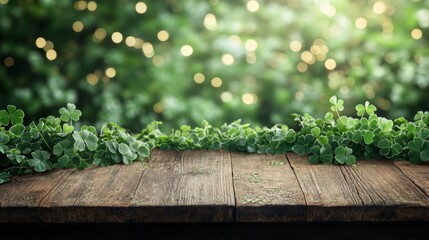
x,y
181,61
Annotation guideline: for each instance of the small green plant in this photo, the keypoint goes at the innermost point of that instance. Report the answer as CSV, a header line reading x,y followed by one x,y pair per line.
x,y
343,140
53,142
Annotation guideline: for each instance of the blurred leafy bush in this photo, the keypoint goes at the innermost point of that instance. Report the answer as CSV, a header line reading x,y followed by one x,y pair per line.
x,y
183,61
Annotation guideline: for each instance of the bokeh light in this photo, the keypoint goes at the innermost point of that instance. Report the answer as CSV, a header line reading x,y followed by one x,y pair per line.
x,y
216,82
117,37
183,61
186,50
141,7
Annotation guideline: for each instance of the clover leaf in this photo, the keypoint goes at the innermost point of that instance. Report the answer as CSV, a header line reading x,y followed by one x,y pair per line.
x,y
343,155
63,148
368,137
4,177
12,115
388,148
4,139
70,113
127,155
418,150
320,154
15,155
315,131
85,138
17,129
337,105
64,162
385,125
356,136
4,118
368,108
304,143
40,161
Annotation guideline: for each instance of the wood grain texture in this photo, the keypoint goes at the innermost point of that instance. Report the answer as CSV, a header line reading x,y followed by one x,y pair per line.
x,y
418,174
219,186
328,193
189,186
100,194
367,191
387,194
20,197
266,189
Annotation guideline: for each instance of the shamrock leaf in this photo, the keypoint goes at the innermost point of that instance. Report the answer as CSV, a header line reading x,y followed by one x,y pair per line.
x,y
423,133
368,137
356,136
85,138
15,155
315,131
16,115
419,150
82,164
4,138
67,128
385,125
368,108
127,155
337,105
13,115
343,155
64,162
63,147
4,118
17,130
40,161
304,143
320,154
416,144
70,113
4,177
360,109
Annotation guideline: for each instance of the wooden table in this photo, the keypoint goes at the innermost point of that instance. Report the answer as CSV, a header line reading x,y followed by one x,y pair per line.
x,y
221,187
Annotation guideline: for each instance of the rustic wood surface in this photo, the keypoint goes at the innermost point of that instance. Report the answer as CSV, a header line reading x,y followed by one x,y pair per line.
x,y
220,186
367,191
266,189
418,174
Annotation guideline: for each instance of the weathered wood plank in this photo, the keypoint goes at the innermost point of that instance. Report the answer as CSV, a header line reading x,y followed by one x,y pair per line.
x,y
367,191
19,198
266,189
189,186
418,174
328,193
387,194
100,194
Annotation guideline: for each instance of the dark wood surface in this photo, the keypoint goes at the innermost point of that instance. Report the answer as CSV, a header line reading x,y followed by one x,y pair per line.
x,y
220,186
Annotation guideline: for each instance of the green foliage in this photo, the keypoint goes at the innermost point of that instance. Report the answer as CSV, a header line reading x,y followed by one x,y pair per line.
x,y
70,113
49,144
337,105
343,155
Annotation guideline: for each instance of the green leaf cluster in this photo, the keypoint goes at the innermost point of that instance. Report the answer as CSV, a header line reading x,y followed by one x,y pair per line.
x,y
53,142
341,140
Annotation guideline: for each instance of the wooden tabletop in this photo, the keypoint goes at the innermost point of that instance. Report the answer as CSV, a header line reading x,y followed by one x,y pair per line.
x,y
220,186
